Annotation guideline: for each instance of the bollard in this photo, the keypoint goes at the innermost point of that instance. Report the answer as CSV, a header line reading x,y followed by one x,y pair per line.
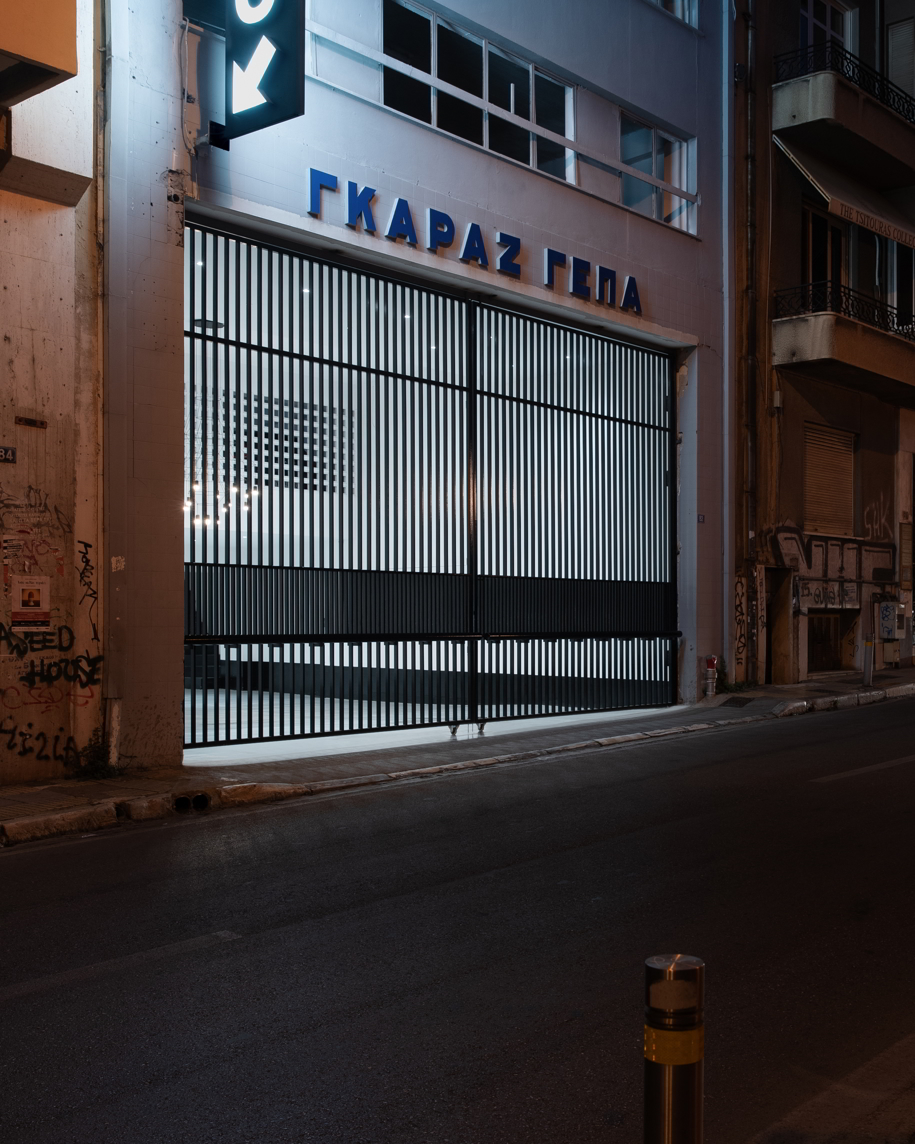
x,y
868,678
674,1049
711,674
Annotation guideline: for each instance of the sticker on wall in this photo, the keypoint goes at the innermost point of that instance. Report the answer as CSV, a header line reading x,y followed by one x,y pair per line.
x,y
14,550
31,603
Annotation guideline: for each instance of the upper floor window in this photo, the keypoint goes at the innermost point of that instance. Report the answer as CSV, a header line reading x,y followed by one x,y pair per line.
x,y
658,154
822,22
686,10
500,82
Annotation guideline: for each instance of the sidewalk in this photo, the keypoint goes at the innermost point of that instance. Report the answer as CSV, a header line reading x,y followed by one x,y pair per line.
x,y
36,811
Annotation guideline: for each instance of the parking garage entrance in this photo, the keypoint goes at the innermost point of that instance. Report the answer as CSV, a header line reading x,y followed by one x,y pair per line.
x,y
406,507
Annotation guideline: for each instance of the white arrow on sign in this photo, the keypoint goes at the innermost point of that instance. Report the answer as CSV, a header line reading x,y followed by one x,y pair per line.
x,y
253,14
246,84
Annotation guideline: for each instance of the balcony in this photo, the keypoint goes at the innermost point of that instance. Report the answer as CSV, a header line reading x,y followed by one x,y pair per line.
x,y
832,104
840,335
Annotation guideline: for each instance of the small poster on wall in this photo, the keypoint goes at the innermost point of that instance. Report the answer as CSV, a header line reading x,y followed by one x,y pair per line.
x,y
31,602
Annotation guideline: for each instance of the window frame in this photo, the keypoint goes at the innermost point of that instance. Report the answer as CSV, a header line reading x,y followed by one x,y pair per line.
x,y
808,15
321,33
691,22
439,86
660,188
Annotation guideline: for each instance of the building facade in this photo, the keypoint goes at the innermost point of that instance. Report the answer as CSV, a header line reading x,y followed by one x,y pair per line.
x,y
824,246
51,611
417,385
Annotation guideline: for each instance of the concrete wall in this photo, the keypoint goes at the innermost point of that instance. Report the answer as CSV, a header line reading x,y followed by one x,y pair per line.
x,y
51,681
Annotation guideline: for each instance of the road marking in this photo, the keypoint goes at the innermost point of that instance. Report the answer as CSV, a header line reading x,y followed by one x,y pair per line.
x,y
87,972
872,1103
865,770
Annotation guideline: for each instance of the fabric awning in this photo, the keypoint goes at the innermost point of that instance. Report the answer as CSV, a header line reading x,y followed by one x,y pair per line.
x,y
850,200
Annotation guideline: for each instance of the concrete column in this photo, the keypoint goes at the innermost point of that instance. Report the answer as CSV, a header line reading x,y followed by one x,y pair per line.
x,y
144,421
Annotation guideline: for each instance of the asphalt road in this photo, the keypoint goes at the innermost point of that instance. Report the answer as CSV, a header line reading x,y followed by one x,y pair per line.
x,y
459,960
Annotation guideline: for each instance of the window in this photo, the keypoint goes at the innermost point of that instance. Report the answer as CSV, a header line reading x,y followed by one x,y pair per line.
x,y
686,10
824,246
408,38
504,83
829,488
822,22
667,158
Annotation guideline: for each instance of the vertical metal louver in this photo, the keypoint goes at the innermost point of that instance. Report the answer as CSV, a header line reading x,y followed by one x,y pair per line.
x,y
829,481
405,507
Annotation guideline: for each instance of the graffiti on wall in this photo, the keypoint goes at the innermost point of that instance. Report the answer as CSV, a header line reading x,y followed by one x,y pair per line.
x,y
86,570
23,740
740,626
32,512
878,524
832,570
45,676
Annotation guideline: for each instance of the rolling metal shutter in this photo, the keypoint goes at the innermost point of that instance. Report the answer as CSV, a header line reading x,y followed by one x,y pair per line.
x,y
829,481
900,41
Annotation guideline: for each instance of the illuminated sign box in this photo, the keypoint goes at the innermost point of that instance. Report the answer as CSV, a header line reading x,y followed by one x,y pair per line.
x,y
265,64
37,47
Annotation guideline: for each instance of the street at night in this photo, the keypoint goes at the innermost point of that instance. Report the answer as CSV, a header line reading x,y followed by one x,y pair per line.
x,y
459,959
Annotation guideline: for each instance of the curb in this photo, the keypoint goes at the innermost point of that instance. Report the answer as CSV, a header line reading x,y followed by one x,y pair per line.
x,y
202,799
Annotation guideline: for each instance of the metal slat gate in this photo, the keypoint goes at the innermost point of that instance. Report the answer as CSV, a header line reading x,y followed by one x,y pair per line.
x,y
406,508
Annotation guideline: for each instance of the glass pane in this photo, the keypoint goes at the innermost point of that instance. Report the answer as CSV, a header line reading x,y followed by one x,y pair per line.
x,y
636,145
460,61
837,20
407,95
551,158
460,118
819,11
672,162
818,248
819,34
804,32
550,100
638,195
903,286
676,211
507,139
407,36
504,73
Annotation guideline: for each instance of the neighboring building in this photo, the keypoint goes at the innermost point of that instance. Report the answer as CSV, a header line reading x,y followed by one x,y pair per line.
x,y
416,396
826,118
51,596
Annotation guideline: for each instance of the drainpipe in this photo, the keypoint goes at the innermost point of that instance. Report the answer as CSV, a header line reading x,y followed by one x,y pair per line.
x,y
751,361
878,47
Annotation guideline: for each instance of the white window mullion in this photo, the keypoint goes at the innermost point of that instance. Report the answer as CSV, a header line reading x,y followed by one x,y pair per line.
x,y
533,137
434,70
486,94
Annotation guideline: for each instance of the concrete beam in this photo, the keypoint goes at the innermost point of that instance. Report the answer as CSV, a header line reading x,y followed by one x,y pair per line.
x,y
848,353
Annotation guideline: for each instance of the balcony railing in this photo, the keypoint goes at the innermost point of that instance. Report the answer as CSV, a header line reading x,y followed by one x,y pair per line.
x,y
829,297
831,57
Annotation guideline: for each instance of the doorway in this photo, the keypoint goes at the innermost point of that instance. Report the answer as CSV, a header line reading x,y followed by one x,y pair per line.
x,y
824,652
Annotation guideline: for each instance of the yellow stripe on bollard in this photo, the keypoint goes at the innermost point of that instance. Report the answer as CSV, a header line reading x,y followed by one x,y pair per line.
x,y
674,1046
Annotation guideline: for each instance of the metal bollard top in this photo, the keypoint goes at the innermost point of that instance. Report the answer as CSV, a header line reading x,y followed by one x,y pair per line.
x,y
674,989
